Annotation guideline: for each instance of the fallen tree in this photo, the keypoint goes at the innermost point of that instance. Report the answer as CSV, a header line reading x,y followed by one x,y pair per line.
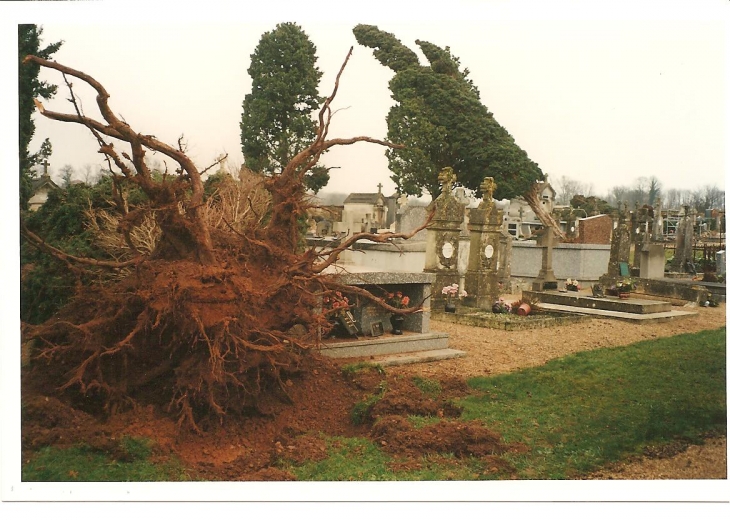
x,y
213,315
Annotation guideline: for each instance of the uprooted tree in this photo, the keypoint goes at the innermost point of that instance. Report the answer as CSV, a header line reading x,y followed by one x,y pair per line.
x,y
216,312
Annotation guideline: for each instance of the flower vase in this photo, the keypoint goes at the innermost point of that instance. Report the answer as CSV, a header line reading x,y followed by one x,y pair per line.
x,y
397,323
450,307
623,295
571,288
524,309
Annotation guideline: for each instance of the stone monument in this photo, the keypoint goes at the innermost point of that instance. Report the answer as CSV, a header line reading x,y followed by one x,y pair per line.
x,y
546,280
489,251
620,249
442,236
683,260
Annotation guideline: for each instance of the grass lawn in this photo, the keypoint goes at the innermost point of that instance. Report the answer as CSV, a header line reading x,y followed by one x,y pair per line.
x,y
575,414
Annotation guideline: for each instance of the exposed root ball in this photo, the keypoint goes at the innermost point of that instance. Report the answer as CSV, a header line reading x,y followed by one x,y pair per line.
x,y
210,338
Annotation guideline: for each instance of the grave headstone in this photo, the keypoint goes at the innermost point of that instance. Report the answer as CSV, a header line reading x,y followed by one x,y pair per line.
x,y
410,218
657,232
442,236
620,249
652,261
489,251
720,262
683,261
546,280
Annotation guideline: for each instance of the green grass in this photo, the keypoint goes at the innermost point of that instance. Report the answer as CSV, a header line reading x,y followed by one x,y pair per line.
x,y
430,387
84,464
575,414
360,459
580,412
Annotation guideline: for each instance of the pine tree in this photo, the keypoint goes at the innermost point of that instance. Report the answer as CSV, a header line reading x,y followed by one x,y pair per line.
x,y
29,88
276,123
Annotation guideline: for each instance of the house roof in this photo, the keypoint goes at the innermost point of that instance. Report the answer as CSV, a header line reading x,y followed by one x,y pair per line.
x,y
44,181
363,198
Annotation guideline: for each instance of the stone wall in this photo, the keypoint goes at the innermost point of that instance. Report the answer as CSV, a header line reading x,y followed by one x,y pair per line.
x,y
585,262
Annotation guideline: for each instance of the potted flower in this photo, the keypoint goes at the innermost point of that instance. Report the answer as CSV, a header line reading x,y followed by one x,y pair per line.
x,y
337,308
399,301
624,287
572,285
501,307
452,292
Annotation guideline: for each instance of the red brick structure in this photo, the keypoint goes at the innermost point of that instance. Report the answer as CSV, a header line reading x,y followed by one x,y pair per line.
x,y
595,230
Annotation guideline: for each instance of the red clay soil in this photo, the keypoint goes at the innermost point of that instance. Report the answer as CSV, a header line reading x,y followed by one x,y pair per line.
x,y
247,448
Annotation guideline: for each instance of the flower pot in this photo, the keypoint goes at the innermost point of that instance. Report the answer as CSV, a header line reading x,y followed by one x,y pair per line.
x,y
450,307
571,288
624,295
396,322
524,309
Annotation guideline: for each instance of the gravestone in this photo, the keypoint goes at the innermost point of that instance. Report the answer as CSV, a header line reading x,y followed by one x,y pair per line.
x,y
683,261
442,236
546,280
489,251
641,231
720,262
652,261
620,248
657,232
410,218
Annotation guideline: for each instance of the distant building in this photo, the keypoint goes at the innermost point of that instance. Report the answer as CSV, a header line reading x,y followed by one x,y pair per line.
x,y
41,187
520,220
367,212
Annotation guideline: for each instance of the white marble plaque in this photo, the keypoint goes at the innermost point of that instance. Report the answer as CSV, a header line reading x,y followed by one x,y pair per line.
x,y
447,250
489,251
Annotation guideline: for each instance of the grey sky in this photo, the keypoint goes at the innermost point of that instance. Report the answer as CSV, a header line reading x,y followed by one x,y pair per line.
x,y
599,95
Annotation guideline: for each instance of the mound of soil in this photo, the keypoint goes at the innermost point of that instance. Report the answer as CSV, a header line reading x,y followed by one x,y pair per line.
x,y
462,439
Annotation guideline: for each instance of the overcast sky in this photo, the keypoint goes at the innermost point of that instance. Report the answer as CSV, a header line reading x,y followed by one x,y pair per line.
x,y
600,95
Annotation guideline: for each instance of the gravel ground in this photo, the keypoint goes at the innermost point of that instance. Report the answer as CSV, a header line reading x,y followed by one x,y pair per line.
x,y
491,351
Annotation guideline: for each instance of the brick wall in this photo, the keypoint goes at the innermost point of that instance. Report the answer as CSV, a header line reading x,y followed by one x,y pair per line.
x,y
595,230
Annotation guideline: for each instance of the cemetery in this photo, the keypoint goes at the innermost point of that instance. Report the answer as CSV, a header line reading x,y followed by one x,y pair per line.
x,y
470,247
251,335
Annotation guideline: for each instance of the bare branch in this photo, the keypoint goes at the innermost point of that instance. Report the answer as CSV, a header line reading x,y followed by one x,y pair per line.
x,y
375,237
65,257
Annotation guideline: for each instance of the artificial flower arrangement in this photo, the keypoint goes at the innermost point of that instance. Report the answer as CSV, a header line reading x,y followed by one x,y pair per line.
x,y
336,304
398,300
452,291
625,285
501,307
572,285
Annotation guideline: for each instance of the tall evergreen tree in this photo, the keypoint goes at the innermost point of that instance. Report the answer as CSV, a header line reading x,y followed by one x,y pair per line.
x,y
29,88
440,119
276,123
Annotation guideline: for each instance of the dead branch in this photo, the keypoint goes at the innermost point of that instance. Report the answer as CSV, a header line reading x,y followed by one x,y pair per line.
x,y
65,257
375,237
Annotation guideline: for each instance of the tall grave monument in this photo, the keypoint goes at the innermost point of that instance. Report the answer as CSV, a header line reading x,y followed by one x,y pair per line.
x,y
620,249
489,251
442,236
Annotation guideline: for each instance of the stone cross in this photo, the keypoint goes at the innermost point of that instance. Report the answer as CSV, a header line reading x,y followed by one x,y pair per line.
x,y
45,167
380,187
546,277
657,231
447,178
488,186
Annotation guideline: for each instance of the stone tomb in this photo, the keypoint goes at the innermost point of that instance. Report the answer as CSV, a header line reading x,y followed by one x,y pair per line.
x,y
417,339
